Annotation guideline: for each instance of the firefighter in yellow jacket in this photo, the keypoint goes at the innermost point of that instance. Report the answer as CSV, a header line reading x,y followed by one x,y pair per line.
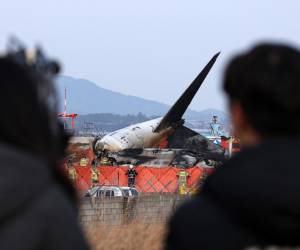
x,y
182,182
94,174
83,162
72,174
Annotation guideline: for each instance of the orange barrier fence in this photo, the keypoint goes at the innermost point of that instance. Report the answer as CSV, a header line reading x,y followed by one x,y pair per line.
x,y
149,179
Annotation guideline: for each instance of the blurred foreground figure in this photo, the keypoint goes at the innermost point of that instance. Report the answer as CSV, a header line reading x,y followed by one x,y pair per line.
x,y
254,199
37,203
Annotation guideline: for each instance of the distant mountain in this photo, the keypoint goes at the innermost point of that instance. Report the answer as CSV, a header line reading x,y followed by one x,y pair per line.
x,y
106,122
207,114
86,97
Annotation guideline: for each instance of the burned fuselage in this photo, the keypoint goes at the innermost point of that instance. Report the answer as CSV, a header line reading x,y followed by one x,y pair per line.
x,y
161,132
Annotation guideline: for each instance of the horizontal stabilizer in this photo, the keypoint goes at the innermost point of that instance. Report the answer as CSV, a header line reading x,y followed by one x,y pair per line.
x,y
176,112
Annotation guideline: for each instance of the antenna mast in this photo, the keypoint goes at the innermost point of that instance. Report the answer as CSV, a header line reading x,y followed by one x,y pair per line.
x,y
65,115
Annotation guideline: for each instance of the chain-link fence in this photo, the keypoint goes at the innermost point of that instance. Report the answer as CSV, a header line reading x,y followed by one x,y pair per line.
x,y
150,208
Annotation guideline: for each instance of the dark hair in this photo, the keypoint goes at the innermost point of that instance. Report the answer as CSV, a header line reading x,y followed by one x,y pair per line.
x,y
266,82
29,116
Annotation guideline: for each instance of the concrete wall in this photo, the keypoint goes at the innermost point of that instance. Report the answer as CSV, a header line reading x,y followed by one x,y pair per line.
x,y
149,208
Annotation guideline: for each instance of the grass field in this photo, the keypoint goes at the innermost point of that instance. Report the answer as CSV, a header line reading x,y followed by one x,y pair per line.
x,y
133,236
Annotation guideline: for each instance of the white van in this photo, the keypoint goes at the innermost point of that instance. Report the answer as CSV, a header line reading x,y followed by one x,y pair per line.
x,y
112,191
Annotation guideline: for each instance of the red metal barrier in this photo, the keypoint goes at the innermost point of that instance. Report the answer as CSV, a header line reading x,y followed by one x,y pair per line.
x,y
149,179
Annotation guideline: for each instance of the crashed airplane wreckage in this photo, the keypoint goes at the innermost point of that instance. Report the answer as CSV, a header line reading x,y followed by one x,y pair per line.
x,y
162,141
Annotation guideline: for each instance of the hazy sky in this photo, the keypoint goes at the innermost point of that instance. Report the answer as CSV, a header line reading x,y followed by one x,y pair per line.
x,y
152,49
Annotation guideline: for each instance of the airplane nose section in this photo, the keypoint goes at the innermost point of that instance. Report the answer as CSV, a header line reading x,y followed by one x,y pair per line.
x,y
98,146
106,144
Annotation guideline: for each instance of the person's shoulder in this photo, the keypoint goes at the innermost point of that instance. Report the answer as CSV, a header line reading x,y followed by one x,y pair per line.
x,y
201,223
54,203
59,217
200,209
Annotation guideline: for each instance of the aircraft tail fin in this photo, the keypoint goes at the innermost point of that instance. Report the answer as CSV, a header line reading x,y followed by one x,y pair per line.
x,y
178,109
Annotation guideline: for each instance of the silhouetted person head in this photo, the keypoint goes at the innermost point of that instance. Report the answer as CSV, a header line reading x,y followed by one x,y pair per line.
x,y
29,121
28,112
263,86
252,202
35,195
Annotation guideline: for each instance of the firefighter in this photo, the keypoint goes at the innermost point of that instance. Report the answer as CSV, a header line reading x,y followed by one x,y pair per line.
x,y
94,174
72,174
182,182
105,161
83,162
131,173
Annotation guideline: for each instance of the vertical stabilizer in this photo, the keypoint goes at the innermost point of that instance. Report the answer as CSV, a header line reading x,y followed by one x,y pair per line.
x,y
178,109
